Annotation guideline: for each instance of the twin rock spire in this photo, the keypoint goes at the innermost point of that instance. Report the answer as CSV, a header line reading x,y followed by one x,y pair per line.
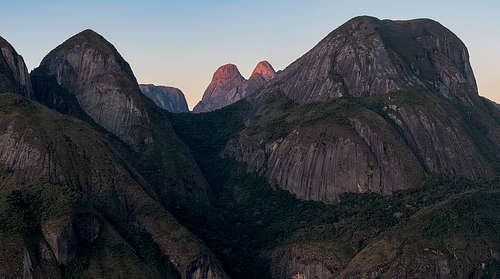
x,y
229,86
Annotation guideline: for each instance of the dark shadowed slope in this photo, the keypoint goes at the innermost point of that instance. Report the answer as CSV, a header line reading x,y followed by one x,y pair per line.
x,y
14,76
373,160
72,207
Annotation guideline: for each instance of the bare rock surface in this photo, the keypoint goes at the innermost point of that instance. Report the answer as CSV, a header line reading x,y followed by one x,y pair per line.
x,y
406,85
90,68
294,262
368,56
321,162
68,236
229,86
166,97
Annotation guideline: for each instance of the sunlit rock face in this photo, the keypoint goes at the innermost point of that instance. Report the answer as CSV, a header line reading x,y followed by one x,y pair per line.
x,y
229,86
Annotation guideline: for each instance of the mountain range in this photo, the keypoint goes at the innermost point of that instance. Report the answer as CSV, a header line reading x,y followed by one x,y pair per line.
x,y
371,156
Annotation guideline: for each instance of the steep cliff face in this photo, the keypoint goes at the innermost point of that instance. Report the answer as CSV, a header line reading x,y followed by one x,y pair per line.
x,y
262,73
319,152
69,235
62,175
229,86
284,237
362,113
368,56
439,140
297,262
168,98
90,68
14,76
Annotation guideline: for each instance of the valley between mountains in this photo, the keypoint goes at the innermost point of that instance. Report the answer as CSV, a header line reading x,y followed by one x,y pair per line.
x,y
373,155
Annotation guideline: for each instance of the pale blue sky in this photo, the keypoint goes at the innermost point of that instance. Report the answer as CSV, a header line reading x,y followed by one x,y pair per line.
x,y
181,43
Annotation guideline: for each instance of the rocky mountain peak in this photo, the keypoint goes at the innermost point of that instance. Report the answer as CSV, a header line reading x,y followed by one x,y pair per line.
x,y
87,37
227,72
89,41
92,38
91,68
229,86
263,70
368,56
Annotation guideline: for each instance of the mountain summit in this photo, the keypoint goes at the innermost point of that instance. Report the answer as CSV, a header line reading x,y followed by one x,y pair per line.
x,y
379,107
263,71
229,86
91,68
227,83
368,56
342,117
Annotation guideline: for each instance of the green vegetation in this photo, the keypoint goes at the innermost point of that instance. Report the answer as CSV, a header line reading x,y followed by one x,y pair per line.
x,y
89,179
239,216
252,218
23,211
461,232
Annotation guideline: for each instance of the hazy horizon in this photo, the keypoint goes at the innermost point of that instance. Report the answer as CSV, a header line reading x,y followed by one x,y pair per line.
x,y
182,43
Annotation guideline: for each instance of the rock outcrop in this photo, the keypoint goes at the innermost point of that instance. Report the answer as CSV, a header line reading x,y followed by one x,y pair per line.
x,y
368,56
68,236
262,73
402,114
73,176
321,159
14,76
91,69
295,263
168,98
229,86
